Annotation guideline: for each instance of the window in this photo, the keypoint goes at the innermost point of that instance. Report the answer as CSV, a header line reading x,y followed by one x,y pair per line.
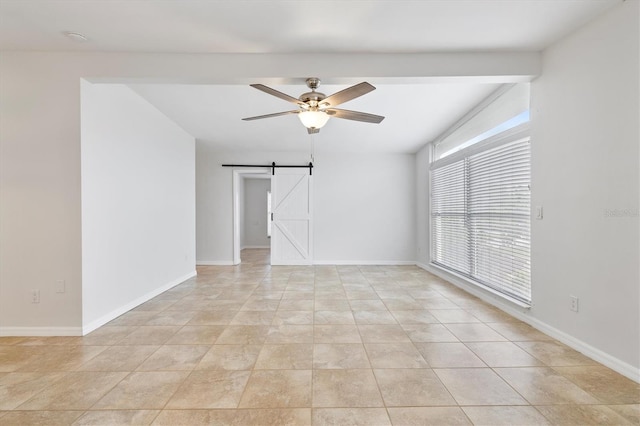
x,y
523,117
480,213
504,109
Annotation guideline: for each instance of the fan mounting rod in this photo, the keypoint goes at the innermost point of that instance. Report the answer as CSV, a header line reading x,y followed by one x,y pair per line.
x,y
313,83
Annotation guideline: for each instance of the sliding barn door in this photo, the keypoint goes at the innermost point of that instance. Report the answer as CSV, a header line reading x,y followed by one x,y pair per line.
x,y
291,231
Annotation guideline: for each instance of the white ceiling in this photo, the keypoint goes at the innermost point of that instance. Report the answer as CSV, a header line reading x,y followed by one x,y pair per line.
x,y
293,26
414,113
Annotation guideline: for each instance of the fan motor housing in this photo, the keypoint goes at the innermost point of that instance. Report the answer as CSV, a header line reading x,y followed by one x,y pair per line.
x,y
312,96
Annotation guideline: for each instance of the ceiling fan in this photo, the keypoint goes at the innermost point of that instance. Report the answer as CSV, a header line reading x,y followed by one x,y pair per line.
x,y
316,108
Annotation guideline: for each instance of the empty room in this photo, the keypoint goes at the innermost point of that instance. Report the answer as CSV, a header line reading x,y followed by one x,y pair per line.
x,y
319,212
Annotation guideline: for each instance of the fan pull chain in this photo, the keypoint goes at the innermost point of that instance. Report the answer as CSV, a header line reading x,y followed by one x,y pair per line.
x,y
313,140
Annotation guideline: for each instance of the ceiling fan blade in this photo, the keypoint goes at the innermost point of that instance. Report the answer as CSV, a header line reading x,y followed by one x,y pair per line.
x,y
348,94
354,115
280,95
276,114
312,131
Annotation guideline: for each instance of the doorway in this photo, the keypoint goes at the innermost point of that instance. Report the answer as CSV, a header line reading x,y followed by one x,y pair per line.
x,y
250,212
254,214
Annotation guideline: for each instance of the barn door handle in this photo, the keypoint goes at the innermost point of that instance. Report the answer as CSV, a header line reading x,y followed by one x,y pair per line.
x,y
271,217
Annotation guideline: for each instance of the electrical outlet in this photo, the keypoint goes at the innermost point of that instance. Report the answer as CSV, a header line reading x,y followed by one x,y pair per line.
x,y
574,303
60,286
35,296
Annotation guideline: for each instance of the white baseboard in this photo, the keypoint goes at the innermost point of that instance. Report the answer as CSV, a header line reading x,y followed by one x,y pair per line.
x,y
320,262
596,354
40,331
365,262
254,247
88,328
294,263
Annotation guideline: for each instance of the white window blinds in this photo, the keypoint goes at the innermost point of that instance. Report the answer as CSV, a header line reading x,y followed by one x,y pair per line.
x,y
449,217
480,215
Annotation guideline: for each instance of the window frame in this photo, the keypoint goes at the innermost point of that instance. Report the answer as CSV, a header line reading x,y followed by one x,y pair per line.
x,y
512,135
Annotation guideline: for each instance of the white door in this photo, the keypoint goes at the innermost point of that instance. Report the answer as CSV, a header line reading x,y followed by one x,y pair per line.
x,y
291,231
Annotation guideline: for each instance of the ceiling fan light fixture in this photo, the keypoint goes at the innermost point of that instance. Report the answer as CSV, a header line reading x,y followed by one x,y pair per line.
x,y
313,119
315,109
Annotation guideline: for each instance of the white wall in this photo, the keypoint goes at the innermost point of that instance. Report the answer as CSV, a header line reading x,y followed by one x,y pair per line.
x,y
40,234
364,206
254,227
138,202
423,239
585,151
585,160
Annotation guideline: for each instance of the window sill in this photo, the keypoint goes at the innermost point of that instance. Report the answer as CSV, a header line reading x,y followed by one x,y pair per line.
x,y
466,281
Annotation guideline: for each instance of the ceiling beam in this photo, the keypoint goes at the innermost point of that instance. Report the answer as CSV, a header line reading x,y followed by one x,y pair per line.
x,y
491,67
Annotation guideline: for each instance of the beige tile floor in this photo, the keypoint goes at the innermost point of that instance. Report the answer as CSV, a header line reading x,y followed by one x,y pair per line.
x,y
343,345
